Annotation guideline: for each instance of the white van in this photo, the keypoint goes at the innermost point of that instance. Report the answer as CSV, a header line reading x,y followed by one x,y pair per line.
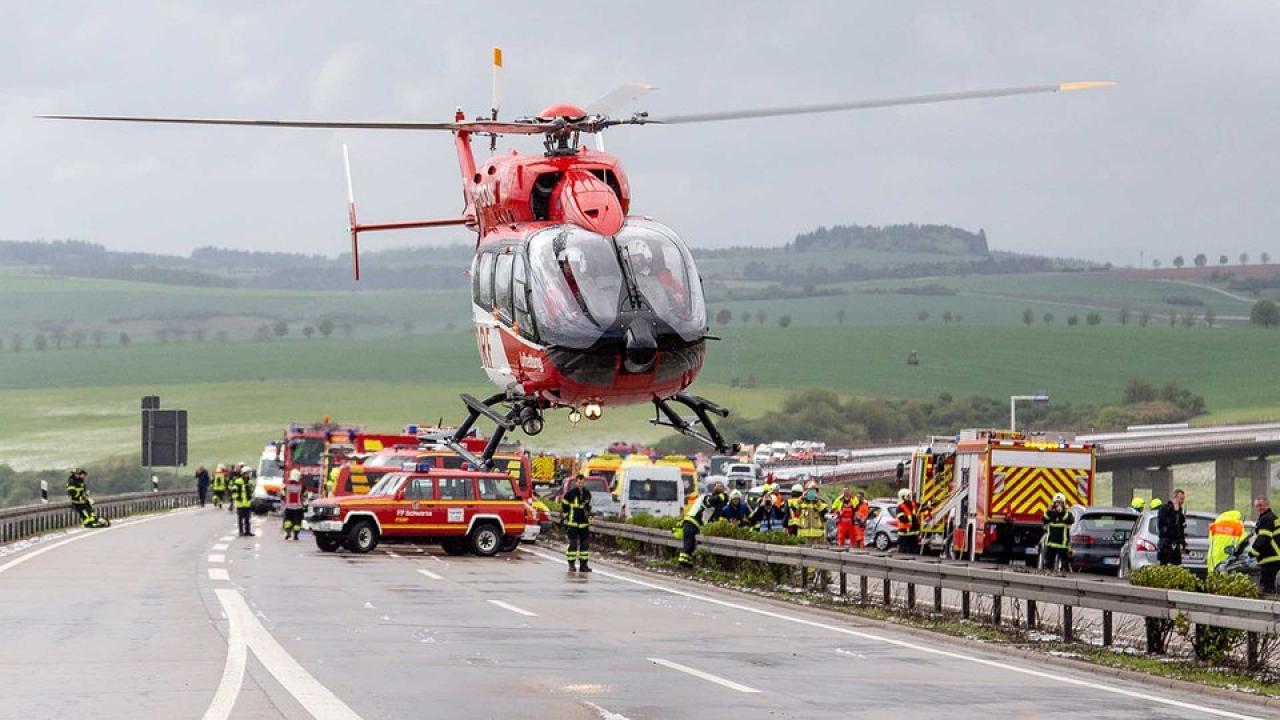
x,y
650,490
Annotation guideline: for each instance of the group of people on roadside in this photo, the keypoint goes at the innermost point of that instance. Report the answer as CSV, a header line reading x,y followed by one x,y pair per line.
x,y
231,484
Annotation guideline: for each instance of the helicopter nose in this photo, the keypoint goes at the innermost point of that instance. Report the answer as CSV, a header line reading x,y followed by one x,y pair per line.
x,y
642,347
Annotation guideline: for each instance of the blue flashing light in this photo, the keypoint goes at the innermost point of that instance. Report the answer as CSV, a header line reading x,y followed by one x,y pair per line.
x,y
411,430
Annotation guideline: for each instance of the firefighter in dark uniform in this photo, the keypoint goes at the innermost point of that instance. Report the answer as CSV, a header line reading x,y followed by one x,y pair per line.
x,y
1266,547
907,513
242,498
704,510
1171,521
1057,539
575,511
78,493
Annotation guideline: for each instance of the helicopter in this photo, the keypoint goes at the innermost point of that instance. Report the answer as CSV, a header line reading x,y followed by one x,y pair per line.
x,y
577,302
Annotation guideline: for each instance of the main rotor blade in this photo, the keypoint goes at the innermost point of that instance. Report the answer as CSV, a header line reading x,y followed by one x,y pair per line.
x,y
615,100
488,126
868,104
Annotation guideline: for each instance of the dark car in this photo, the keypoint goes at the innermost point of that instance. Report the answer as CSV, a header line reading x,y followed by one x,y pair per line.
x,y
1098,535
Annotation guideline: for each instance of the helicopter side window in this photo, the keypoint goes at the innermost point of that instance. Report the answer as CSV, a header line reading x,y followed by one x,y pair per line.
x,y
502,286
520,300
482,281
575,285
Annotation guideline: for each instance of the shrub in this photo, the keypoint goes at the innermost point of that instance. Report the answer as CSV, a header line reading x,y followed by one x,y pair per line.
x,y
1165,577
1213,644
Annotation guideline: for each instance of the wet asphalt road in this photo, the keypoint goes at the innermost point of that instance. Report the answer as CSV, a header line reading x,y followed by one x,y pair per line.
x,y
141,621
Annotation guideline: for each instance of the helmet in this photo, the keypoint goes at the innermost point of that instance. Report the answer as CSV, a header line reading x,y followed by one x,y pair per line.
x,y
1154,504
1060,498
295,475
1137,504
796,488
574,259
640,255
735,494
903,494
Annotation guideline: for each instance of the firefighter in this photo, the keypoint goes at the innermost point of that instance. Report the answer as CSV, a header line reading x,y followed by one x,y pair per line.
x,y
860,520
292,504
736,511
78,493
1137,504
770,515
575,510
1225,532
219,485
241,498
1171,521
813,516
770,487
908,516
1266,548
845,507
793,509
704,510
1057,540
233,472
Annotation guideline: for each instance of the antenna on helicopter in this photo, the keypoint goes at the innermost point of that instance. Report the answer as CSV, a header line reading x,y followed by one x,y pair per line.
x,y
497,96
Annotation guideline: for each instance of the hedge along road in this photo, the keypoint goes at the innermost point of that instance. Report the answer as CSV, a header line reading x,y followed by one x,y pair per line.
x,y
175,617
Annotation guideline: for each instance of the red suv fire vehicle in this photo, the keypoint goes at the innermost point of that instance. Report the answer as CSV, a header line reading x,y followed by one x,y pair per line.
x,y
464,511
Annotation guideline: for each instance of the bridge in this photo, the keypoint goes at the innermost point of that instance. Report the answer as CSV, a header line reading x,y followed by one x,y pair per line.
x,y
171,615
1137,459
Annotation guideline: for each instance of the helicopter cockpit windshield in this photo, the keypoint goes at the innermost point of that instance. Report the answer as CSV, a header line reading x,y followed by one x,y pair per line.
x,y
580,280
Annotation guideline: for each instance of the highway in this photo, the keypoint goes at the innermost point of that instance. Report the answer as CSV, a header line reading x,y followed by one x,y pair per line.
x,y
172,616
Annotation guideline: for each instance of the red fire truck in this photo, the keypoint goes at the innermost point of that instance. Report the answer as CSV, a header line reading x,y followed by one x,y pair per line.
x,y
304,447
985,491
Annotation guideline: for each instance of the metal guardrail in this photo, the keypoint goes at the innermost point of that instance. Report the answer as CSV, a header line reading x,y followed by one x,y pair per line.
x,y
1253,616
24,521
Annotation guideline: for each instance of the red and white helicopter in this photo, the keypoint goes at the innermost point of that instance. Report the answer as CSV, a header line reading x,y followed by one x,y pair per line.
x,y
577,302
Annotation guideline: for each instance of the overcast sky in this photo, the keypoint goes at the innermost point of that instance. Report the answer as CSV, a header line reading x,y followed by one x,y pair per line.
x,y
1179,158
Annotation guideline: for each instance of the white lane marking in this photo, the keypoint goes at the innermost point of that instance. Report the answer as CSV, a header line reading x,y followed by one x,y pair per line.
x,y
704,675
391,554
513,608
430,574
220,546
224,699
81,536
218,574
227,539
605,714
920,648
310,694
217,558
850,653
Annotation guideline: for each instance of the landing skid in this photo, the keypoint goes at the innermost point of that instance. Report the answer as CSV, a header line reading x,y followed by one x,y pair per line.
x,y
703,409
523,412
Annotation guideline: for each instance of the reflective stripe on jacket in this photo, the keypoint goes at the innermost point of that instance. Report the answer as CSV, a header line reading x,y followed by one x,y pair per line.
x,y
1058,528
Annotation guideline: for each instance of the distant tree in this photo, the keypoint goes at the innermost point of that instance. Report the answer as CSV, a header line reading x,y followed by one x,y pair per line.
x,y
178,333
841,315
1047,319
1028,317
221,336
326,327
16,343
124,339
1265,258
308,331
1201,260
1173,319
1222,260
1178,262
1156,263
1188,320
1244,258
97,336
922,316
745,317
262,334
1094,318
77,339
281,328
59,336
199,334
761,316
959,317
1265,313
1139,391
407,326
1144,319
1124,315
724,316
1073,320
947,317
1210,317
784,321
42,342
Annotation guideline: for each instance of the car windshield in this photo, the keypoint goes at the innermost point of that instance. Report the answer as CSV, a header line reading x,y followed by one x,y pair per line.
x,y
306,450
387,485
269,468
656,490
664,273
387,459
1106,522
596,485
576,285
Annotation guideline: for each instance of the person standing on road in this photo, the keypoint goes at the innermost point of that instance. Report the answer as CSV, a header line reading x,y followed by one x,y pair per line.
x,y
202,484
908,516
845,507
219,485
1057,539
705,509
860,520
1171,521
292,504
1266,548
770,515
241,499
575,512
813,516
793,509
1225,534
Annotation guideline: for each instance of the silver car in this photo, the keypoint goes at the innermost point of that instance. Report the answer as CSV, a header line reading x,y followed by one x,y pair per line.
x,y
882,526
1141,548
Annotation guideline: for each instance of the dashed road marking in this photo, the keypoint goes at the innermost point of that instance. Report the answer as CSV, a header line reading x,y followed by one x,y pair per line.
x,y
391,554
430,574
704,675
218,574
220,546
1067,680
605,714
227,538
217,558
513,608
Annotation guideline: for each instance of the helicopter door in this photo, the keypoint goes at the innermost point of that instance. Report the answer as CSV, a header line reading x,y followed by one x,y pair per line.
x,y
502,288
520,300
